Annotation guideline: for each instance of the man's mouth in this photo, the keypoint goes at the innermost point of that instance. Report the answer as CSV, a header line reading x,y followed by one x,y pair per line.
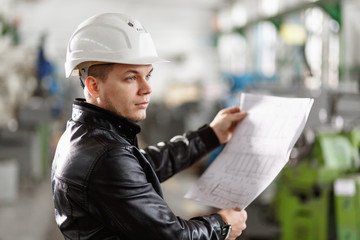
x,y
142,105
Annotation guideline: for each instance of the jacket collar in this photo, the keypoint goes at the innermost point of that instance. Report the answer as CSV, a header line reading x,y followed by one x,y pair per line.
x,y
89,113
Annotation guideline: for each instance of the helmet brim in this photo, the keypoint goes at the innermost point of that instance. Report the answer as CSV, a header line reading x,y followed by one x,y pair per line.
x,y
141,61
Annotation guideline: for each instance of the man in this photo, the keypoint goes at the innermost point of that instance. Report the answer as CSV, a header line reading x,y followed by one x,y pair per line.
x,y
104,187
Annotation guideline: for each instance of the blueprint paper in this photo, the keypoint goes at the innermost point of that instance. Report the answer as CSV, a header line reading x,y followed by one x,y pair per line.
x,y
258,150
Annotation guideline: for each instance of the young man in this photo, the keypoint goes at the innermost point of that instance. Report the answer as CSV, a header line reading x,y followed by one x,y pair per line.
x,y
104,187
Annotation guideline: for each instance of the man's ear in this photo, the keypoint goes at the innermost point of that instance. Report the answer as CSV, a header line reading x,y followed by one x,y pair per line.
x,y
92,85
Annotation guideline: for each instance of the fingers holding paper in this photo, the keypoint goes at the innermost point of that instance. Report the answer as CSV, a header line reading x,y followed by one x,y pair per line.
x,y
225,122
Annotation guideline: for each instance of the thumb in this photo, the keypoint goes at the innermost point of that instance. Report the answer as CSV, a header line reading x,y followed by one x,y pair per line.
x,y
236,119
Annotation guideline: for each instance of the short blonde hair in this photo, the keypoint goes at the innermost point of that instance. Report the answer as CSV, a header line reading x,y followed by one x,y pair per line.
x,y
100,71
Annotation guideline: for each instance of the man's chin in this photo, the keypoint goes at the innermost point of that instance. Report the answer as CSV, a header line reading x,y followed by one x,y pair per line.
x,y
138,118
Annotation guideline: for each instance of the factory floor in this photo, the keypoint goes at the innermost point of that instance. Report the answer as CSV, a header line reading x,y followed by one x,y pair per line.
x,y
31,215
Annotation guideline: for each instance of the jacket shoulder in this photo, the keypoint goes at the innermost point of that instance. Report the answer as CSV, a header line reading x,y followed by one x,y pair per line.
x,y
78,152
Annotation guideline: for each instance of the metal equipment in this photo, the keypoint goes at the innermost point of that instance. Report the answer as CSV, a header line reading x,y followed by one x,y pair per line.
x,y
347,207
304,202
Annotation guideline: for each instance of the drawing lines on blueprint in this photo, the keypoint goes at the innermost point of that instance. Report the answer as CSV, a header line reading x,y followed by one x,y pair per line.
x,y
229,195
249,165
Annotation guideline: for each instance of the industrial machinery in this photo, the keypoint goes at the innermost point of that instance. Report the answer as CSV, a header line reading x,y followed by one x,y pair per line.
x,y
347,207
318,197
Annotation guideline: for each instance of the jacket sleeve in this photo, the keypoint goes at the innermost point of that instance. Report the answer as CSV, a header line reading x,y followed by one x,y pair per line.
x,y
133,209
170,157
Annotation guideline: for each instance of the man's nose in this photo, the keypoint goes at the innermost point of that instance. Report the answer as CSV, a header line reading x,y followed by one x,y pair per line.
x,y
145,87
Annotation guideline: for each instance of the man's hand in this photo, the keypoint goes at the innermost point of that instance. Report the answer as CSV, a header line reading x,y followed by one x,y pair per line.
x,y
237,220
225,122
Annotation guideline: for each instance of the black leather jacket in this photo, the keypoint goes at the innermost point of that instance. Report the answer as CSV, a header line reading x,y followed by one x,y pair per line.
x,y
104,187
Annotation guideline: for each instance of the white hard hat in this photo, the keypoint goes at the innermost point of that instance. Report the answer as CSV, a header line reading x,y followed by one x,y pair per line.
x,y
110,38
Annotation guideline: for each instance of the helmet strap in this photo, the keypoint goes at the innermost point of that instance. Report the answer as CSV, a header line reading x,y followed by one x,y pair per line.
x,y
82,84
83,72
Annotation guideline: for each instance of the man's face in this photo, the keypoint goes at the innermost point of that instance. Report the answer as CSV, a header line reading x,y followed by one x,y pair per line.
x,y
126,91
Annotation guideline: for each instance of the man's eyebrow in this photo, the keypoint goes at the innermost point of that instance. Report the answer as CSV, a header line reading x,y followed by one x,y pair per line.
x,y
136,72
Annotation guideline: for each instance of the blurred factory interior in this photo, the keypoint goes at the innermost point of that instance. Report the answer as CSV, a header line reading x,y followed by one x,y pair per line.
x,y
218,49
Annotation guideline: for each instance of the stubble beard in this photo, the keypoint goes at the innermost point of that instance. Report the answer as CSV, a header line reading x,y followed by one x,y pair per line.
x,y
110,107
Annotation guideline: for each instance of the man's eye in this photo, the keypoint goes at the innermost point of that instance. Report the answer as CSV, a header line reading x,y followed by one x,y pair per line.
x,y
130,78
148,76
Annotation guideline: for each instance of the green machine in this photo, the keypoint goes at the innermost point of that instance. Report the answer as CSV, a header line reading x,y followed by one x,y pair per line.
x,y
304,202
347,207
347,199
